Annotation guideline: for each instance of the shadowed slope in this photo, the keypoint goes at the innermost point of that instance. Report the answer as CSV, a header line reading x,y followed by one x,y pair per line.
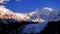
x,y
52,27
13,26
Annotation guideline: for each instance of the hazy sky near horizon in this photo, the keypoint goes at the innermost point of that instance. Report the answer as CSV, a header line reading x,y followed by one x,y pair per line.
x,y
24,6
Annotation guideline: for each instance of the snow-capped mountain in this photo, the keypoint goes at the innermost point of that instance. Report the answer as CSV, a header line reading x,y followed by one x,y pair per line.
x,y
7,14
45,14
39,15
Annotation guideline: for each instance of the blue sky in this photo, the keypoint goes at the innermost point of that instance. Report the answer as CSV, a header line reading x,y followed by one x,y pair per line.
x,y
30,5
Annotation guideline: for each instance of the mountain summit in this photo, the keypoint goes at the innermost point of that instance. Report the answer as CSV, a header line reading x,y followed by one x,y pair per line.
x,y
45,14
39,15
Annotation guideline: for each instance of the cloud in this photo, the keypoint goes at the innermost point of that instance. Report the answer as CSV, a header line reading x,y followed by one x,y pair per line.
x,y
2,1
18,0
7,0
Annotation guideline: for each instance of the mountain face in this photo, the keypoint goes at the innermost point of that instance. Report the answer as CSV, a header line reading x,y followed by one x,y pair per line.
x,y
39,15
46,14
12,23
15,22
7,14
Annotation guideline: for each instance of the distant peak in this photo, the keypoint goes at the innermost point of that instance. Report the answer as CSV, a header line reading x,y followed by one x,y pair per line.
x,y
37,16
50,9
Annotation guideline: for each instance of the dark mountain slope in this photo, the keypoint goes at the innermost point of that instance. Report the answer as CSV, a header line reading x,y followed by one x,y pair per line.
x,y
11,26
52,27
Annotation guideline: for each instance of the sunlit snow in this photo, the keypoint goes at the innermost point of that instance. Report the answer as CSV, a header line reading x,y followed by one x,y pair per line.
x,y
36,16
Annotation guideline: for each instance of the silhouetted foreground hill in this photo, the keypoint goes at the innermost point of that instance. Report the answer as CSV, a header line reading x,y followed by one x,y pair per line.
x,y
52,27
11,26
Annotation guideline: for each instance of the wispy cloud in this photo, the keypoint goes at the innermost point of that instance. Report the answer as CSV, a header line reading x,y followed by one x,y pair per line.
x,y
7,0
18,0
2,1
